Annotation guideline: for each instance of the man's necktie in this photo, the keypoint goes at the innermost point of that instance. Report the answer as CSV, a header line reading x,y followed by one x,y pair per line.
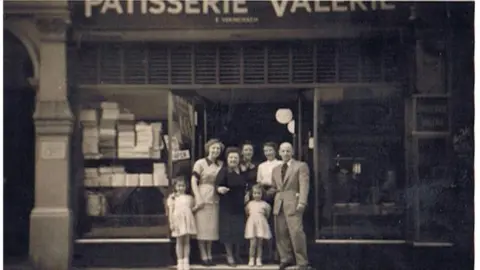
x,y
284,170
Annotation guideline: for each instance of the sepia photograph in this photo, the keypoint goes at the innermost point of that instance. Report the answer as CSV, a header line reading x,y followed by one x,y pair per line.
x,y
238,134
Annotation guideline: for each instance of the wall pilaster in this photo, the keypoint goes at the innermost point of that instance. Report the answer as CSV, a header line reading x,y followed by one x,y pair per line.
x,y
51,219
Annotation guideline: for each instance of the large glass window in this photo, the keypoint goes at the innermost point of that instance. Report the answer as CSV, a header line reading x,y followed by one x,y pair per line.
x,y
125,150
360,155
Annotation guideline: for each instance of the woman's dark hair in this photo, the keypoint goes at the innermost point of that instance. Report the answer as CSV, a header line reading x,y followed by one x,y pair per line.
x,y
232,149
246,143
271,144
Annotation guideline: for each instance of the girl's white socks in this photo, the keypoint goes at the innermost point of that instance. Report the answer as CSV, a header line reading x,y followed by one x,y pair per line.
x,y
259,261
180,264
186,264
251,262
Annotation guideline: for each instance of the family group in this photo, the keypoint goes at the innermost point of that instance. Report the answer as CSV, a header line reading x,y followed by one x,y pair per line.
x,y
237,200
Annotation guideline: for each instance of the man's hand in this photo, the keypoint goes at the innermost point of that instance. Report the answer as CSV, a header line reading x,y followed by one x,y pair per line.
x,y
222,190
300,207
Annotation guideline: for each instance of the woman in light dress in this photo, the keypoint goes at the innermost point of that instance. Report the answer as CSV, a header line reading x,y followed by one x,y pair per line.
x,y
204,174
264,178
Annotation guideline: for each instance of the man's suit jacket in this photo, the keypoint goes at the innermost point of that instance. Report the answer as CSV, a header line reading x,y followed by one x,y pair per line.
x,y
292,190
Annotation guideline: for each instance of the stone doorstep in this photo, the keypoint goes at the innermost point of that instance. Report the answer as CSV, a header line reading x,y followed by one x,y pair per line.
x,y
196,266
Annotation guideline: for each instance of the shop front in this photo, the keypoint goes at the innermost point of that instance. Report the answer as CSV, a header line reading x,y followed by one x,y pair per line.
x,y
149,82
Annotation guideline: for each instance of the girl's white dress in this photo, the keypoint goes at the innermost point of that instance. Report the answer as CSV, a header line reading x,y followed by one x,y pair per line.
x,y
180,215
257,224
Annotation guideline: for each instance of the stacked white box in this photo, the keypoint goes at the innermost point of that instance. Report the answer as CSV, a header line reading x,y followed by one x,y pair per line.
x,y
146,179
92,177
132,180
110,110
90,138
160,178
112,176
108,132
157,144
96,204
144,140
126,134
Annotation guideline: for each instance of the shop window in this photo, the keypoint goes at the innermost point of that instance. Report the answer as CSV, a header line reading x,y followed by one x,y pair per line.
x,y
131,151
360,180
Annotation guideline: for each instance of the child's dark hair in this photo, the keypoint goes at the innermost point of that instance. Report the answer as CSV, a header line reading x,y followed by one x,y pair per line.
x,y
178,180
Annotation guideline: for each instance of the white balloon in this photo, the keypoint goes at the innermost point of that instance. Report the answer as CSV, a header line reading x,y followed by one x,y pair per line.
x,y
284,115
291,126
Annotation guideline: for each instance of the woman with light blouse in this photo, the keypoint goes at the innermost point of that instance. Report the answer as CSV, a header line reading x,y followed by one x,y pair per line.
x,y
264,178
204,174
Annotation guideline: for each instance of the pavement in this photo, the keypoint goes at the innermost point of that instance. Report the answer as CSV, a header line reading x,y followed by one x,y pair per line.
x,y
26,266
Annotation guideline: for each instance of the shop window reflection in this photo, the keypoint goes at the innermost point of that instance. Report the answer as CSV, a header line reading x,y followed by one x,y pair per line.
x,y
361,169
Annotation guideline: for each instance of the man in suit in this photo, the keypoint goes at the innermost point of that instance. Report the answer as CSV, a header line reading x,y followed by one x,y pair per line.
x,y
290,184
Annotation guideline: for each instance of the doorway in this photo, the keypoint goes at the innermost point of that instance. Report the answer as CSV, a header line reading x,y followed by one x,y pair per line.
x,y
236,116
19,151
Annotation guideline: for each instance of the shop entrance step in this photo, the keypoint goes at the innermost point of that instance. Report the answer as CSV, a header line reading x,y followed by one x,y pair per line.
x,y
238,267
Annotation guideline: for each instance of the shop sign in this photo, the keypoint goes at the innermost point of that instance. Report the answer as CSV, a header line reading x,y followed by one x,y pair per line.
x,y
432,114
233,14
180,155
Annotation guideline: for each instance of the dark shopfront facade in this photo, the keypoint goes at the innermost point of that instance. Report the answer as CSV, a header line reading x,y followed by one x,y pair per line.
x,y
376,134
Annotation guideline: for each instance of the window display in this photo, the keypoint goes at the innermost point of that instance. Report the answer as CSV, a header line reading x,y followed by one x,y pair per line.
x,y
360,156
125,178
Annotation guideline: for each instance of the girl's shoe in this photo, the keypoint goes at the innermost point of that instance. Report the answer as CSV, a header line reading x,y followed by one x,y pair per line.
x,y
180,265
251,262
231,262
259,262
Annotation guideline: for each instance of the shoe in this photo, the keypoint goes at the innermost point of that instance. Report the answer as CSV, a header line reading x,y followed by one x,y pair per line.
x,y
180,265
231,262
251,262
284,265
259,262
205,263
186,264
210,262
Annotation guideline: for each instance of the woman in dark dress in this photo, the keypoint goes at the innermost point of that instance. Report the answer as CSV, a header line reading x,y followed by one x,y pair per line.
x,y
231,186
247,166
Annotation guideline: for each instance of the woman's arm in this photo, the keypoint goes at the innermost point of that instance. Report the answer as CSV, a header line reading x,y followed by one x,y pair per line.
x,y
197,172
221,182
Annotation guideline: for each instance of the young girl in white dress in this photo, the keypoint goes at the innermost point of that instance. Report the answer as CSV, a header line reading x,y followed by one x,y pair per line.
x,y
257,229
182,223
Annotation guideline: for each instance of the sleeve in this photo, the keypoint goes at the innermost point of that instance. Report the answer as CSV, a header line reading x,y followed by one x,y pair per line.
x,y
273,188
247,208
259,175
197,169
221,179
304,182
